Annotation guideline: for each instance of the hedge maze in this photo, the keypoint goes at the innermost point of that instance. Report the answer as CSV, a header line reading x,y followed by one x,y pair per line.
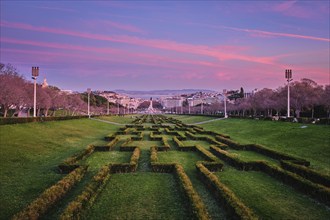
x,y
193,157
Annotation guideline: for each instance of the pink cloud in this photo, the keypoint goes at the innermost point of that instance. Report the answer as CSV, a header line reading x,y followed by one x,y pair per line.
x,y
153,43
116,25
261,33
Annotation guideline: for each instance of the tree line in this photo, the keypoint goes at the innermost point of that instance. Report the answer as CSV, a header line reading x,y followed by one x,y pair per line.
x,y
16,96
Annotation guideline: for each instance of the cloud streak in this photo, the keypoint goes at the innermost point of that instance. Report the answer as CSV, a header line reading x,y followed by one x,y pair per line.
x,y
262,33
153,43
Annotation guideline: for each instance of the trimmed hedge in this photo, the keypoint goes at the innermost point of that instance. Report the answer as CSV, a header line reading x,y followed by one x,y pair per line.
x,y
88,196
51,195
317,191
195,202
205,153
262,150
306,173
6,121
71,163
235,208
127,167
113,143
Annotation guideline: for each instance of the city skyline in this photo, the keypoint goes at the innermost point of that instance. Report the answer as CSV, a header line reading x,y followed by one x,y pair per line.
x,y
109,45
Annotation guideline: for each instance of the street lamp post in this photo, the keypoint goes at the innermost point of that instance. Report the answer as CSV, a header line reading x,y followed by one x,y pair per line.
x,y
108,110
202,107
89,93
189,107
288,76
117,107
35,74
225,101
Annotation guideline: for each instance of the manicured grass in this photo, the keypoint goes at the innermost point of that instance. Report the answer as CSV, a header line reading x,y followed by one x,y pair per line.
x,y
127,119
311,143
204,144
269,198
145,145
191,119
251,156
188,161
99,159
31,152
140,196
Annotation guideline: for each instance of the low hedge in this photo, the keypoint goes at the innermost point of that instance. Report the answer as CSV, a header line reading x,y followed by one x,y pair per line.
x,y
113,143
71,163
165,143
87,197
5,121
196,204
317,191
51,195
234,207
205,153
306,173
229,142
234,161
127,167
110,137
274,154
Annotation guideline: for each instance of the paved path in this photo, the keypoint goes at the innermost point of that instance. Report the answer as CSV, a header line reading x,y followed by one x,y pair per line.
x,y
204,122
109,122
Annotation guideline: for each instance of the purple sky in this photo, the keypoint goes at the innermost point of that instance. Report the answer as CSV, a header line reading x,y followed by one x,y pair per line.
x,y
145,45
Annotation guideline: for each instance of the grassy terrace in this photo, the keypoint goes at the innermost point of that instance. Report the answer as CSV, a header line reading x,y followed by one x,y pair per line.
x,y
311,143
271,199
31,152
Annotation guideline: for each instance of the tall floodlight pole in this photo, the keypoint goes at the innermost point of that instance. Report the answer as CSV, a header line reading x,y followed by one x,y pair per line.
x,y
288,76
189,107
202,107
117,107
108,110
225,101
35,74
88,110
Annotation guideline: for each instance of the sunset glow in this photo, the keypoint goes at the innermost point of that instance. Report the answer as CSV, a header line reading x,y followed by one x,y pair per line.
x,y
144,45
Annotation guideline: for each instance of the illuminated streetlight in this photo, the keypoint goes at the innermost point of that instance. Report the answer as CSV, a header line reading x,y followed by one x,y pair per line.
x,y
89,93
35,74
288,76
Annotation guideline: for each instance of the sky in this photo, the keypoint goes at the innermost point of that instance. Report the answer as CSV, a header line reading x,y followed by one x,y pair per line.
x,y
151,45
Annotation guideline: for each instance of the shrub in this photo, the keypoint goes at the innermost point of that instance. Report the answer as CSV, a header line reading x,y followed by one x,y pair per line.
x,y
234,207
51,195
88,196
195,202
306,173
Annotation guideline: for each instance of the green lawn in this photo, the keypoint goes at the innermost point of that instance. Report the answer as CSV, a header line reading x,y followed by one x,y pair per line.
x,y
311,143
140,196
127,119
269,198
191,119
31,152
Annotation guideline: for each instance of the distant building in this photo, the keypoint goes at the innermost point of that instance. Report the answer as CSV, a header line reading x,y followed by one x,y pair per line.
x,y
44,84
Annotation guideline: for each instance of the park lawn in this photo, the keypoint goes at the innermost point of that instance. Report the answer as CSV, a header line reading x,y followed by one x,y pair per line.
x,y
187,119
98,159
142,195
247,156
188,160
311,143
269,198
126,119
31,152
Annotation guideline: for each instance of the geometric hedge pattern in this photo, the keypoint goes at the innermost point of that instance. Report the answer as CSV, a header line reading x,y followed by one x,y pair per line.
x,y
151,137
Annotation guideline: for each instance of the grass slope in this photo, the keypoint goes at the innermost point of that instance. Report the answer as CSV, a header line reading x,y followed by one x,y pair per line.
x,y
31,152
269,198
139,196
311,143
